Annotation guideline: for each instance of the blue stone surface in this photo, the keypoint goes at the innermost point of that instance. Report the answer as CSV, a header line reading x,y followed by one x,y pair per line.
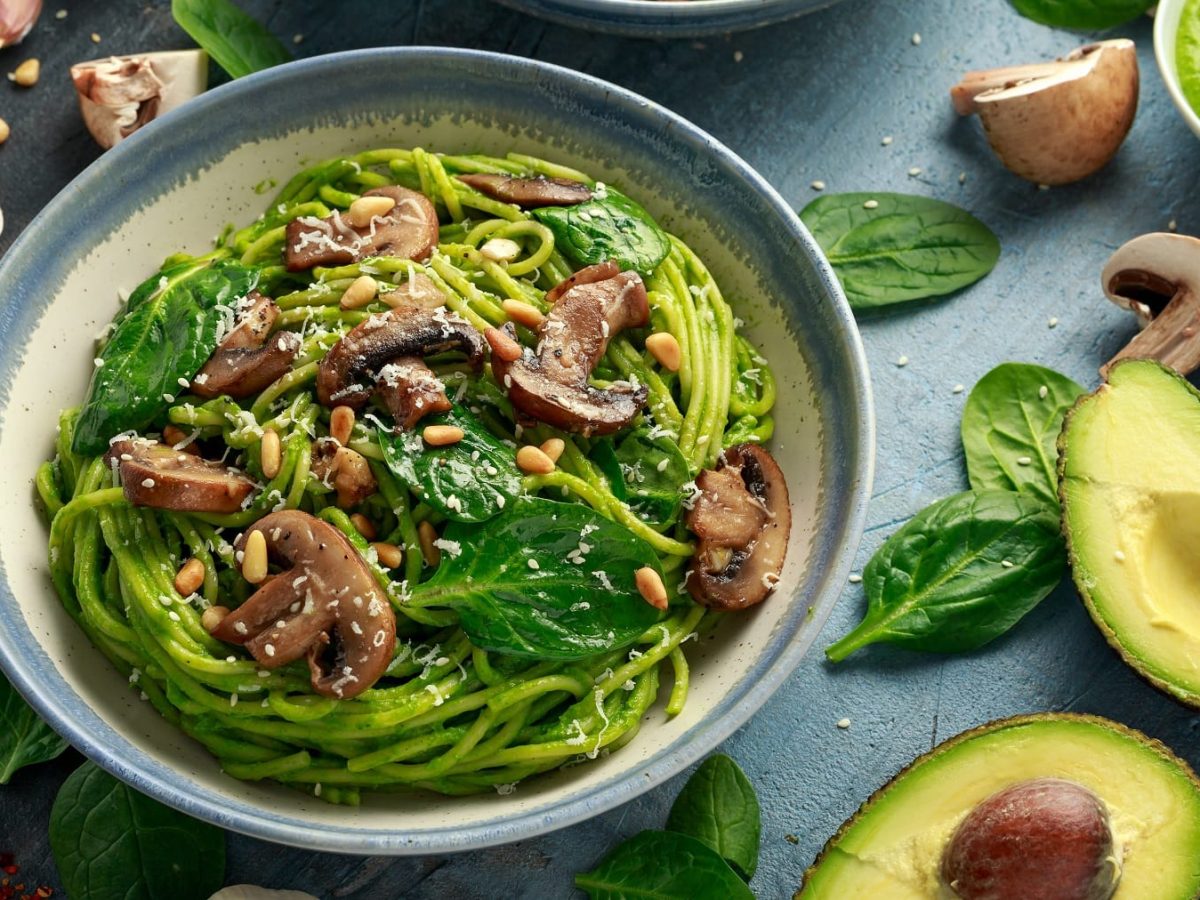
x,y
812,99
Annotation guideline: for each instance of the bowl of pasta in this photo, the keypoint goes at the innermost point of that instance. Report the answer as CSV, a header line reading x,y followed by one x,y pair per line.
x,y
452,451
668,18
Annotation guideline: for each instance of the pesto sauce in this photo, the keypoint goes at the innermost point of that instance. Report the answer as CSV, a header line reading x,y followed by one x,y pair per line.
x,y
1187,53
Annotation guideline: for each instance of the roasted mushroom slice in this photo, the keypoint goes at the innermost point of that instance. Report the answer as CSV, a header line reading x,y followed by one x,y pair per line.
x,y
343,469
529,193
326,606
158,475
551,385
743,517
417,290
246,361
409,230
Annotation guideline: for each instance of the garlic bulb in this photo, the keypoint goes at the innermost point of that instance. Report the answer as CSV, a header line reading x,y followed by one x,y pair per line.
x,y
16,18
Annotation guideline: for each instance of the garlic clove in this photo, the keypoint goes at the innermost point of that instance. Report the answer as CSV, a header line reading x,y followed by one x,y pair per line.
x,y
16,18
119,95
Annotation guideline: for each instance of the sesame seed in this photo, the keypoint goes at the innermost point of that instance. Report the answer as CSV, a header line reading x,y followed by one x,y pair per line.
x,y
871,204
962,177
887,140
1119,556
297,38
1024,460
61,14
1052,322
1007,563
818,185
843,724
738,56
916,39
1043,187
902,361
95,38
1043,391
533,564
958,389
1172,225
914,171
855,578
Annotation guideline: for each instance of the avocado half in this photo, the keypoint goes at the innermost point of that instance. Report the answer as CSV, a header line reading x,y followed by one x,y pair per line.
x,y
1129,482
891,848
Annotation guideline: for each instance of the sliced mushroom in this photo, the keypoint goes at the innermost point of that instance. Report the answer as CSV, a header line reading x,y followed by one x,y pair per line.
x,y
158,475
1157,278
343,469
1057,122
551,385
408,231
326,606
743,518
529,193
384,353
418,290
246,361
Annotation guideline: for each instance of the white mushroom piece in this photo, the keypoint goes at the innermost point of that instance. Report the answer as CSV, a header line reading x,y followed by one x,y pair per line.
x,y
119,95
1056,122
1157,278
17,17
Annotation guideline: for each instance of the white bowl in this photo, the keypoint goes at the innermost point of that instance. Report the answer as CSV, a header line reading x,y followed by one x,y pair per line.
x,y
1166,27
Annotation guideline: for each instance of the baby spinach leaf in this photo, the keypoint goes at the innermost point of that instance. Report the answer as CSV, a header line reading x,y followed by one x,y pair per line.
x,y
543,579
1010,429
238,43
960,573
905,248
652,467
110,841
167,333
609,227
1083,14
718,807
470,481
24,738
605,457
663,865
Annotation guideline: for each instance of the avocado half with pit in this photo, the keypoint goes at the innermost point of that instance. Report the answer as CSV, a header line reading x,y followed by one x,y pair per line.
x,y
1129,481
1041,807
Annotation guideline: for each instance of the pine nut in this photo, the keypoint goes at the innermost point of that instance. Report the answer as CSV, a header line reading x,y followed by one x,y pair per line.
x,y
176,436
503,346
554,448
212,617
664,348
364,209
650,586
5,131
531,459
389,555
190,577
270,453
500,250
427,534
361,292
524,314
442,435
26,74
363,526
341,423
254,557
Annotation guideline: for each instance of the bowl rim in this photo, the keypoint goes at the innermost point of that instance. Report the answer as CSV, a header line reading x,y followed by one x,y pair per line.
x,y
668,18
1166,28
702,738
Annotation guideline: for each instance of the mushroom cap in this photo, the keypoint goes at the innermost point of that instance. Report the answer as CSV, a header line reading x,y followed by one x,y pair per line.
x,y
158,475
529,193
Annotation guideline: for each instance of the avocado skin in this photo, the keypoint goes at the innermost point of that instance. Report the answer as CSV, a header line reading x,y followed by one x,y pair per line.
x,y
998,725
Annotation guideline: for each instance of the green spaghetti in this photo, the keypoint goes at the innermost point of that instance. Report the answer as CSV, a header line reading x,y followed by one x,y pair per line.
x,y
522,641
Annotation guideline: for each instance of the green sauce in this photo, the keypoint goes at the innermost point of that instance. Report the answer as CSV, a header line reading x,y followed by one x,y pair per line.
x,y
1187,53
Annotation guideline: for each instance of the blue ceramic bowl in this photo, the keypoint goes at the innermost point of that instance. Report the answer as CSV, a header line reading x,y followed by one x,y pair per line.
x,y
667,18
174,186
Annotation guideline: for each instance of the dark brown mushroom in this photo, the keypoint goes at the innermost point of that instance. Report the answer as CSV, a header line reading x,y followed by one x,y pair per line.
x,y
551,385
246,361
529,193
743,518
158,475
408,231
384,354
343,469
326,606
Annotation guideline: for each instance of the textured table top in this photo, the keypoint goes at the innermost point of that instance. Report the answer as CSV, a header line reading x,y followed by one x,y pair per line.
x,y
811,99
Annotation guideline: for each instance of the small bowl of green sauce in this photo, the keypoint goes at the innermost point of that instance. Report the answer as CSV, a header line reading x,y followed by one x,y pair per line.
x,y
1177,49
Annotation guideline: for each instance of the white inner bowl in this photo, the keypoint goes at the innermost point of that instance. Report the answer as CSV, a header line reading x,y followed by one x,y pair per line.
x,y
1166,28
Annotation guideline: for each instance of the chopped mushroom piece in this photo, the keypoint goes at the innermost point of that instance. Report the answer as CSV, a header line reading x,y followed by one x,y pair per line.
x,y
346,471
326,606
157,475
408,231
551,385
743,518
529,193
417,290
247,361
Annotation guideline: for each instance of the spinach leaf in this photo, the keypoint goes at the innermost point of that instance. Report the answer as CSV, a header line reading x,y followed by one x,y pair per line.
x,y
24,738
543,579
959,573
718,806
904,249
238,43
663,865
1083,14
653,467
605,457
110,841
609,227
470,481
167,333
1010,429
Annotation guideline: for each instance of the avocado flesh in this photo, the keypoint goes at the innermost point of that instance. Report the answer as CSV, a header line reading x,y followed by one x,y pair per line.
x,y
1130,487
891,849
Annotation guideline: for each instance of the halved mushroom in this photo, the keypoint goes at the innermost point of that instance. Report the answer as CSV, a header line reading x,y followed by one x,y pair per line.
x,y
384,354
158,475
529,193
246,362
1157,278
1057,122
408,231
743,517
551,385
326,606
